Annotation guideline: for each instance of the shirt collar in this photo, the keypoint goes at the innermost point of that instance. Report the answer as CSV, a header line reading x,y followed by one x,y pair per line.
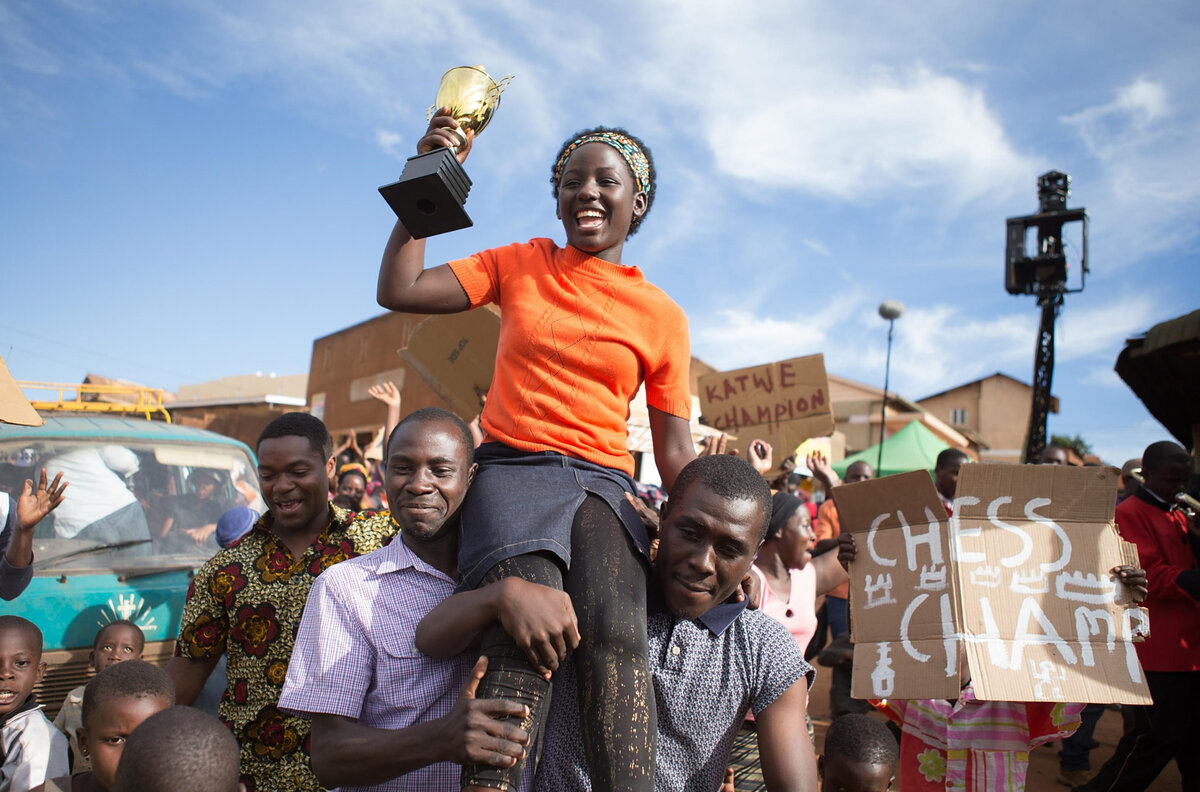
x,y
397,556
716,620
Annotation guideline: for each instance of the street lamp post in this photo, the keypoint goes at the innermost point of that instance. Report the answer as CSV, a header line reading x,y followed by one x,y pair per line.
x,y
890,310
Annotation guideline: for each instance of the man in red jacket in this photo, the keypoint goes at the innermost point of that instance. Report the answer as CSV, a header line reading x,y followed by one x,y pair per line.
x,y
1168,545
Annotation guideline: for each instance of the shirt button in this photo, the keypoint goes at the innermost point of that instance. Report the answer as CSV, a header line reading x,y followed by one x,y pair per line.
x,y
675,650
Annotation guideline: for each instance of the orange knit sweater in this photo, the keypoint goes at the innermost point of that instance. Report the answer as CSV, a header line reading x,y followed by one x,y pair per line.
x,y
578,335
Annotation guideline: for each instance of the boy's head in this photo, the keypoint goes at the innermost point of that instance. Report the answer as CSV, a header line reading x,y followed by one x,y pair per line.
x,y
115,703
712,525
945,471
860,756
1165,469
180,749
21,665
117,641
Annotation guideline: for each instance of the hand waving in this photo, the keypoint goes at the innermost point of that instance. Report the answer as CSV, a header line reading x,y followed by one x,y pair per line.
x,y
385,392
35,504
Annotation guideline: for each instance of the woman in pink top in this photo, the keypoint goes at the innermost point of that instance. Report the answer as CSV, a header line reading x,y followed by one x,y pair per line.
x,y
791,582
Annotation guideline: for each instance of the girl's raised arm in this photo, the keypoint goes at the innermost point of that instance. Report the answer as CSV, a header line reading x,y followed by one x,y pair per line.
x,y
404,283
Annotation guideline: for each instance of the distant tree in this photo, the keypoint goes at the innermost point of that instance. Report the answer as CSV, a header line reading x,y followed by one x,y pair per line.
x,y
1076,444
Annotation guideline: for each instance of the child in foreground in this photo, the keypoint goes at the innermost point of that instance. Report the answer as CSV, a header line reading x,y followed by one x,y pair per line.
x,y
968,744
860,756
180,749
115,702
31,749
580,332
114,642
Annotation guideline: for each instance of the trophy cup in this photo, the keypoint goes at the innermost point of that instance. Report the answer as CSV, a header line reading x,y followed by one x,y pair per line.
x,y
430,194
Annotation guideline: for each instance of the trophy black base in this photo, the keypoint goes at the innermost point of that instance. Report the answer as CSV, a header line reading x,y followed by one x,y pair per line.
x,y
430,194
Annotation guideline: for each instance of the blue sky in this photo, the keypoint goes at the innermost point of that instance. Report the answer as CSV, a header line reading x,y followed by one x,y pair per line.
x,y
188,189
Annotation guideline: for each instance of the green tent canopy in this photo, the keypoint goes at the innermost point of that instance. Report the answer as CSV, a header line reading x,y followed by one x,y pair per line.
x,y
912,448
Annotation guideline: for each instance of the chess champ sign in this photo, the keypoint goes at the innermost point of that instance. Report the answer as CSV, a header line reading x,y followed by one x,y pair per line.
x,y
1013,592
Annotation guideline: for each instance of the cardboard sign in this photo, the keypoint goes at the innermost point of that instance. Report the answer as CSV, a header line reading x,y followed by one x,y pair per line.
x,y
14,407
1017,584
783,403
455,355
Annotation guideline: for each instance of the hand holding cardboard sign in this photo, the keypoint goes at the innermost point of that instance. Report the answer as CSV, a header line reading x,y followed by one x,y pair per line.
x,y
1134,579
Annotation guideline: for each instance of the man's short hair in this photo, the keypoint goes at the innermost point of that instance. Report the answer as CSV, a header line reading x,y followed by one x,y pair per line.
x,y
862,463
10,623
121,623
947,457
126,679
730,477
858,739
298,424
179,749
436,415
1162,453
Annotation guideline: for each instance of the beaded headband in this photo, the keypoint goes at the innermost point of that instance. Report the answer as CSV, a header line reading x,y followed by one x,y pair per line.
x,y
631,152
353,467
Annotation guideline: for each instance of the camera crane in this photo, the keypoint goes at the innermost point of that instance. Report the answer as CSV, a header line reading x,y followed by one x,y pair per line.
x,y
1045,275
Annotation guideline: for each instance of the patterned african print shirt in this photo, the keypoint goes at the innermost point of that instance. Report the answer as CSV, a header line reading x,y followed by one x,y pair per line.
x,y
246,603
970,745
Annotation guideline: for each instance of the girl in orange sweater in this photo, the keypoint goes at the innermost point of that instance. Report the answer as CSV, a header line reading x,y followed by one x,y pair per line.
x,y
580,333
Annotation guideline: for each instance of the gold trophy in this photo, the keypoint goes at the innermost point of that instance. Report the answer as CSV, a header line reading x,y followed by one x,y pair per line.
x,y
430,194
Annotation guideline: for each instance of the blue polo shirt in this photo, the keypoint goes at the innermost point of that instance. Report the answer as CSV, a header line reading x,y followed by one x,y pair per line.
x,y
708,672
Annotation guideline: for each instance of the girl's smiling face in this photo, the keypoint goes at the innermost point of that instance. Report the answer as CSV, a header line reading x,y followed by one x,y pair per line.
x,y
597,200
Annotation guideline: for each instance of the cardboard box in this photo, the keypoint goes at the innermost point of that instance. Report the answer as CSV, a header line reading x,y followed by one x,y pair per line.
x,y
455,355
14,407
1017,585
783,403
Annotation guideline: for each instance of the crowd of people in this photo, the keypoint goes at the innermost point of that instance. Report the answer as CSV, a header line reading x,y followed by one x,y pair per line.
x,y
397,620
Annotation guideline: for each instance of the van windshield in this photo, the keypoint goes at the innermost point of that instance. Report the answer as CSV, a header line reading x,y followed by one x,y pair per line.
x,y
135,506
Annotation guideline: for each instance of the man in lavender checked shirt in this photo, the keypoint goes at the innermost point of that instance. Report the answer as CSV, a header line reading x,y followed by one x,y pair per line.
x,y
385,716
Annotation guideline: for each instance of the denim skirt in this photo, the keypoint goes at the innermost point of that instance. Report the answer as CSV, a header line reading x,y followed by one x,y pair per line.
x,y
525,502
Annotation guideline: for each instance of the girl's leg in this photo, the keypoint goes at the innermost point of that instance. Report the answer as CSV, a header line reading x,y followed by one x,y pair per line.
x,y
607,584
509,673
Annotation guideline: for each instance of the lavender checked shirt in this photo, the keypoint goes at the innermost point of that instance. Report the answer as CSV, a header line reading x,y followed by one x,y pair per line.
x,y
355,654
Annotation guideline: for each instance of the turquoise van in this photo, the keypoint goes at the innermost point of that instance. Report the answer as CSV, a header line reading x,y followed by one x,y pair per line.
x,y
138,520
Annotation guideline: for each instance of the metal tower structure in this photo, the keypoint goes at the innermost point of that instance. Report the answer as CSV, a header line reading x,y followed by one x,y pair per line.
x,y
1043,274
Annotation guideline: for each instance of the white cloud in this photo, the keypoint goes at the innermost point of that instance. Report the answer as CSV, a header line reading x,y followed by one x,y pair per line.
x,y
18,48
390,142
1149,199
1102,329
816,247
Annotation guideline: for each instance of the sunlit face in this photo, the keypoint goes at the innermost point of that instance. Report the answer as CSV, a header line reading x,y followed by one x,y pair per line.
x,y
796,539
706,545
428,472
294,478
103,737
116,643
21,668
598,199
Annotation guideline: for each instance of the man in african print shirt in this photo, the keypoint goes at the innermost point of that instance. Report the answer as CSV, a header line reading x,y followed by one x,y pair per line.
x,y
246,602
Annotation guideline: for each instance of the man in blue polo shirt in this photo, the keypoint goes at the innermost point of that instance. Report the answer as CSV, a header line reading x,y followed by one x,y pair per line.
x,y
711,660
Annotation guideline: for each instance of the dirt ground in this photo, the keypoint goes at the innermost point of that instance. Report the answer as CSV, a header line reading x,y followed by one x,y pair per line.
x,y
1043,764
